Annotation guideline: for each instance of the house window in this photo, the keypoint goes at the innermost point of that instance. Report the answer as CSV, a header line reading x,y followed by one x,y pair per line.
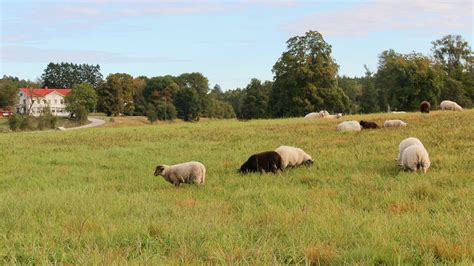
x,y
21,94
55,100
24,101
62,101
44,101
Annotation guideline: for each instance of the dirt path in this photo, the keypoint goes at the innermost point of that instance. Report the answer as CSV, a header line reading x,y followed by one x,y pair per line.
x,y
94,122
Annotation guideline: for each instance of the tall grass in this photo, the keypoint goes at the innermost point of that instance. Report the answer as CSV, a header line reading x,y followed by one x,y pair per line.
x,y
89,196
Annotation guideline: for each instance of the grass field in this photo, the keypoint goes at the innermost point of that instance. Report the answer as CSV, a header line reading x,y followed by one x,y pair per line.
x,y
89,196
3,123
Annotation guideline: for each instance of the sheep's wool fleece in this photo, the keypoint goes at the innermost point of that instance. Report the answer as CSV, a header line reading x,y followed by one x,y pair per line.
x,y
349,126
450,105
189,172
416,155
312,115
405,144
394,123
292,156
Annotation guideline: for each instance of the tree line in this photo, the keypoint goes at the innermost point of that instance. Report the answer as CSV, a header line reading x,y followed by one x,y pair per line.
x,y
305,80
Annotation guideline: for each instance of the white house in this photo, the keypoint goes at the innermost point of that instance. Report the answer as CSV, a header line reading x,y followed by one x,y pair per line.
x,y
35,100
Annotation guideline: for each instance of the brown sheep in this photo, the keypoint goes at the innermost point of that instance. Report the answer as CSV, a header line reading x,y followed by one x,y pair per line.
x,y
269,161
425,107
368,124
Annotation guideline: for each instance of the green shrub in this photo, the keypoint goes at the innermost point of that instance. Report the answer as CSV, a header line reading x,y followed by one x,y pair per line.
x,y
27,123
15,121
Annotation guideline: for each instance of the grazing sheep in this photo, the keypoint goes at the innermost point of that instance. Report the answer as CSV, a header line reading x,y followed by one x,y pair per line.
x,y
398,112
368,124
269,161
405,144
313,115
189,172
425,107
320,114
394,123
416,157
450,105
292,156
349,126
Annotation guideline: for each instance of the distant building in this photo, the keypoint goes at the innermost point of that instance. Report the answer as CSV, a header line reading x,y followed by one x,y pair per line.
x,y
35,100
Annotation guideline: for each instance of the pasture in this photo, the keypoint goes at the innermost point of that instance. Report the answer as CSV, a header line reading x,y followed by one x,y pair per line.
x,y
89,196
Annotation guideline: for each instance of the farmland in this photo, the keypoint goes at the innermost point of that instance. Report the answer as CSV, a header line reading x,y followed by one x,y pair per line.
x,y
89,196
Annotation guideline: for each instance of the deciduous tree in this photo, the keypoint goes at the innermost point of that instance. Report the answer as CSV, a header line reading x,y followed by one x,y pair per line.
x,y
116,94
81,100
304,76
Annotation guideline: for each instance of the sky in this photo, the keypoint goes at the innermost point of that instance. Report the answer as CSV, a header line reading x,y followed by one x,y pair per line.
x,y
229,42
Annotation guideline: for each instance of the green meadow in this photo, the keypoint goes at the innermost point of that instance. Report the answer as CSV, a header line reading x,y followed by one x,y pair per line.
x,y
89,196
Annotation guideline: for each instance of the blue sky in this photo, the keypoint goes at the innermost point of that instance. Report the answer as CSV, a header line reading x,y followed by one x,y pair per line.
x,y
230,42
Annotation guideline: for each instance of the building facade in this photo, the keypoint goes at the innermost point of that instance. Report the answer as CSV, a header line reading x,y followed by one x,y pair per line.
x,y
35,100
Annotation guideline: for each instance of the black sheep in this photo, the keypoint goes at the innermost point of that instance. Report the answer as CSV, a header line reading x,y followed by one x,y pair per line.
x,y
368,124
425,107
269,161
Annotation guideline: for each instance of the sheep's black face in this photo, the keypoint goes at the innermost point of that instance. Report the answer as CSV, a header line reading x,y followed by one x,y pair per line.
x,y
244,168
159,170
308,162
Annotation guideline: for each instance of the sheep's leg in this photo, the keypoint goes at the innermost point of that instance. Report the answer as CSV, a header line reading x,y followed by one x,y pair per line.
x,y
176,183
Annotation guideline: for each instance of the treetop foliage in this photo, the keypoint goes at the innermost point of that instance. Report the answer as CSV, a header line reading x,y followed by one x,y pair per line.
x,y
66,75
305,80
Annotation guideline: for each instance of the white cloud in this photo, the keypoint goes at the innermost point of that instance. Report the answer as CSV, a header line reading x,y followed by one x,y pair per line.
x,y
26,54
376,16
46,20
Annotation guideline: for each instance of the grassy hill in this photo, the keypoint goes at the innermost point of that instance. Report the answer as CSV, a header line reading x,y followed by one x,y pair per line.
x,y
89,196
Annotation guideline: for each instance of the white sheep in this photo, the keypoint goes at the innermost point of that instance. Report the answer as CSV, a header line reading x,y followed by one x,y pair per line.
x,y
394,123
320,114
313,115
324,113
349,126
450,105
405,144
292,156
416,157
189,172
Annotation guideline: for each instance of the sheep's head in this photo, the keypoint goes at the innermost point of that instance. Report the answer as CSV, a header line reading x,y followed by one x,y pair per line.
x,y
244,168
308,162
160,169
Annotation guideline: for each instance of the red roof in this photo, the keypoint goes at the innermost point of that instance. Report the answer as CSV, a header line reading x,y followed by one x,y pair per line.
x,y
44,92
